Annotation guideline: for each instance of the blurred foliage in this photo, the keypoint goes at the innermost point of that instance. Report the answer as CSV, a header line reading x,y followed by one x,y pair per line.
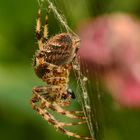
x,y
17,45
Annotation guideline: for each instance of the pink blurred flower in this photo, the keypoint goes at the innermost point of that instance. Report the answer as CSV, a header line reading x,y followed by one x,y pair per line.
x,y
112,43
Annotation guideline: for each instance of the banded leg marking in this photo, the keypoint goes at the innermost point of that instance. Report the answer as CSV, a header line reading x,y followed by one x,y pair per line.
x,y
46,26
55,107
58,125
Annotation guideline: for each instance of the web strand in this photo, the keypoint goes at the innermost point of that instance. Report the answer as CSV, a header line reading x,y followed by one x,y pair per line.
x,y
83,97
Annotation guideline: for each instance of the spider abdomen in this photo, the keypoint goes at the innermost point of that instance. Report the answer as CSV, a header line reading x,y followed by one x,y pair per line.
x,y
59,49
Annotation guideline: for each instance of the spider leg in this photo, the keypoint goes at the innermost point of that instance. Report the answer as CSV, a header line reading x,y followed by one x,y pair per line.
x,y
38,30
73,123
71,114
58,125
37,92
46,26
35,99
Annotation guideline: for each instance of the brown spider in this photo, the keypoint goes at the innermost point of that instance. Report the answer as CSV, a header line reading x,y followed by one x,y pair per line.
x,y
52,63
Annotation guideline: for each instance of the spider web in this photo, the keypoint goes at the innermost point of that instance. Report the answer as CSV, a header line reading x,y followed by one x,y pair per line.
x,y
82,81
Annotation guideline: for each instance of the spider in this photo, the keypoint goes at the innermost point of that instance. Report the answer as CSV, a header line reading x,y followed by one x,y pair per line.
x,y
53,63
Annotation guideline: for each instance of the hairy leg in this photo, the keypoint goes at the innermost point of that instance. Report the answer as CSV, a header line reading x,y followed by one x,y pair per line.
x,y
38,92
38,30
59,125
46,26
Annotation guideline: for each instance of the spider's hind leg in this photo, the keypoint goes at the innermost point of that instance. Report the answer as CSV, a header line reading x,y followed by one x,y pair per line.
x,y
46,26
38,30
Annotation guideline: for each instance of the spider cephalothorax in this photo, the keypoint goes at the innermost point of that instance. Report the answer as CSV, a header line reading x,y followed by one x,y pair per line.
x,y
52,63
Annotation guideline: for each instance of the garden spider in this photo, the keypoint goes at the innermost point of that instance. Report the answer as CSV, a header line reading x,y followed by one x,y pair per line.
x,y
52,63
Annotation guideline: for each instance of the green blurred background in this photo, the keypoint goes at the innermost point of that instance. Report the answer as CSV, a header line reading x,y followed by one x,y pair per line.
x,y
17,45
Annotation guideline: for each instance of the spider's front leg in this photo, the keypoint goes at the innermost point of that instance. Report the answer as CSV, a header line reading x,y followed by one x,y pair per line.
x,y
59,125
42,94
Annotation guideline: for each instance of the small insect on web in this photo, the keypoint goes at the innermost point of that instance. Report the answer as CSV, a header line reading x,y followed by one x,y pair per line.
x,y
53,63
